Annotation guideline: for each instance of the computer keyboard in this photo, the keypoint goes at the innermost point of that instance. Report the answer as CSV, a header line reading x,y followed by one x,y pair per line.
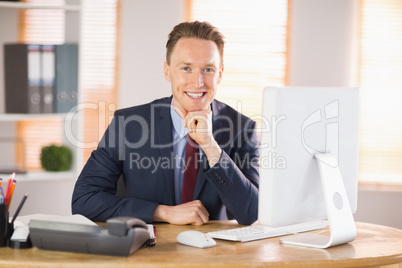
x,y
255,232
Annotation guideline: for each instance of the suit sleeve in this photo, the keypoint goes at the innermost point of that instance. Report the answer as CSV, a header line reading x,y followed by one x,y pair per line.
x,y
236,176
94,195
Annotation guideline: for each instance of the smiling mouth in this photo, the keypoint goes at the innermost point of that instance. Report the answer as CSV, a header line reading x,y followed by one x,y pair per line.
x,y
195,95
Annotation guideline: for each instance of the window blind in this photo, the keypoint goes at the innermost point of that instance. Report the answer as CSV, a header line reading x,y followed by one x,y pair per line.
x,y
98,44
255,51
381,91
43,26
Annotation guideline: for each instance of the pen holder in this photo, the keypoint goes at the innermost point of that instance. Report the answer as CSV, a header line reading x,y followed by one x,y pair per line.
x,y
5,226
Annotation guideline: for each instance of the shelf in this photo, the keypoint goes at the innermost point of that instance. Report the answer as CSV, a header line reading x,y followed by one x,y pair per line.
x,y
41,176
41,184
28,117
21,5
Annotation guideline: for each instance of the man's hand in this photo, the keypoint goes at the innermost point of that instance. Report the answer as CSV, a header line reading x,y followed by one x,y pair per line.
x,y
192,212
199,125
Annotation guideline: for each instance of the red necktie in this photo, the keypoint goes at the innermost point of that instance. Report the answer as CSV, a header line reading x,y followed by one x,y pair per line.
x,y
191,166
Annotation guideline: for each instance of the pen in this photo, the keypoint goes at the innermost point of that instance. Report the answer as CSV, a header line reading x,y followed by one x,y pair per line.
x,y
2,192
8,189
1,196
19,208
11,194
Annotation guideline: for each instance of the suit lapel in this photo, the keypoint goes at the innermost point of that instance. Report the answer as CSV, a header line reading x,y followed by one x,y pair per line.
x,y
164,141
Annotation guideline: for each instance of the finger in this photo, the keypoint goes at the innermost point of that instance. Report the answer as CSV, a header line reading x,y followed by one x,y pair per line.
x,y
190,119
202,211
203,114
187,123
193,125
204,217
199,219
198,123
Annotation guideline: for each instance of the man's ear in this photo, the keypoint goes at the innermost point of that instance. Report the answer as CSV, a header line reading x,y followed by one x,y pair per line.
x,y
220,74
166,71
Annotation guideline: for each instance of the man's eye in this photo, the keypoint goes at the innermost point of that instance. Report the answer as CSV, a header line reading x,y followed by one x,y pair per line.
x,y
186,69
209,70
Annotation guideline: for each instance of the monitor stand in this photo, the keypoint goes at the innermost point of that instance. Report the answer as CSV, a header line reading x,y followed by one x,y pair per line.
x,y
340,217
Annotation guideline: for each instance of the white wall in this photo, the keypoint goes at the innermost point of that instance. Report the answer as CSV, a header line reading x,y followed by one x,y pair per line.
x,y
380,206
323,43
145,26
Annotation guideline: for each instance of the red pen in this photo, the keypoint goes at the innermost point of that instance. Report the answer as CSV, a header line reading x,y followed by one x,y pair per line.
x,y
8,190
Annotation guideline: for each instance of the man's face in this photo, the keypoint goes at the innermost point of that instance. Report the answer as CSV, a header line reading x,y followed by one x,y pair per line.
x,y
194,73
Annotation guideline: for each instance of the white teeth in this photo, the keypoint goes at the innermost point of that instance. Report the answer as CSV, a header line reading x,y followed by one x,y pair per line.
x,y
195,95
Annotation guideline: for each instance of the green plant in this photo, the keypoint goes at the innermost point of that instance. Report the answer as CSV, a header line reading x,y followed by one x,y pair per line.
x,y
56,158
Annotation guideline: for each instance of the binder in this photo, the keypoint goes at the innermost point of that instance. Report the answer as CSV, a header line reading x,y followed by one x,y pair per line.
x,y
66,77
47,78
41,78
22,78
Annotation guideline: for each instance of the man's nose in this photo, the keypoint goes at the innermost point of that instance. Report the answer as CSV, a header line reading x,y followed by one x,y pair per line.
x,y
198,80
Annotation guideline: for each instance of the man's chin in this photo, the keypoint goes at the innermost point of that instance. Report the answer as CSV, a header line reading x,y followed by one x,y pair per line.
x,y
198,105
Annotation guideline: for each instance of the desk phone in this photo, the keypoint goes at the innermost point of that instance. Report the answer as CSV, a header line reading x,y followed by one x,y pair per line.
x,y
122,236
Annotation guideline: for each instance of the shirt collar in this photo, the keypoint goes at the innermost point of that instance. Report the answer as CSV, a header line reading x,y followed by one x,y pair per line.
x,y
178,122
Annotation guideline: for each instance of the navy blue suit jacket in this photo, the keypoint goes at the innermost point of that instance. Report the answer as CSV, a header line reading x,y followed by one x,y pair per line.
x,y
138,144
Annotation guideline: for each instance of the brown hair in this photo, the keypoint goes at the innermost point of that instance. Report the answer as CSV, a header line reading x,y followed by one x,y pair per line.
x,y
196,29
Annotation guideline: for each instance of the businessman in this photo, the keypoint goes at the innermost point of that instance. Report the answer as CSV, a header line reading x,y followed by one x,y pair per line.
x,y
184,159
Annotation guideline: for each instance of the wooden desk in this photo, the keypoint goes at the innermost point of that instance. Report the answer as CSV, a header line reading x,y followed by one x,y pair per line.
x,y
375,245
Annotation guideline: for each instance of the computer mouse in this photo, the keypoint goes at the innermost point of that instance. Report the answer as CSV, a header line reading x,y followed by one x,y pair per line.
x,y
195,239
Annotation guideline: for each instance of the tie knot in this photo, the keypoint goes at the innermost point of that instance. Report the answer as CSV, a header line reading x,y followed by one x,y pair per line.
x,y
191,142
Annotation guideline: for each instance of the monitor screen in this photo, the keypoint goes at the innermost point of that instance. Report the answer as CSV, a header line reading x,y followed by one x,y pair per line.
x,y
297,123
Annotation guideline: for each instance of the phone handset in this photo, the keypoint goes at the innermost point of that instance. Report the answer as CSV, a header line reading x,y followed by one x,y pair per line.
x,y
120,226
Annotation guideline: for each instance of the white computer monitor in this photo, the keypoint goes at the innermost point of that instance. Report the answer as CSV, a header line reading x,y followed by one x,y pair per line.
x,y
298,123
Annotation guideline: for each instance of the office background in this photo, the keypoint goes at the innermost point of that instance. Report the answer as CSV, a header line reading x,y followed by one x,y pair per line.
x,y
140,77
322,32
